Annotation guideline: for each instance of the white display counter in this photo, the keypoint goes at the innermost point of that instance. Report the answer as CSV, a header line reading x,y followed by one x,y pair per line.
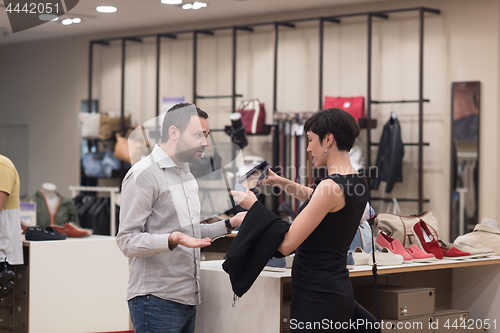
x,y
72,285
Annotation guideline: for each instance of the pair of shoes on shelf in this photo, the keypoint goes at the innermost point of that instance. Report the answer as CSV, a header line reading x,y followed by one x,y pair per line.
x,y
38,234
383,257
476,251
410,255
71,229
436,247
276,265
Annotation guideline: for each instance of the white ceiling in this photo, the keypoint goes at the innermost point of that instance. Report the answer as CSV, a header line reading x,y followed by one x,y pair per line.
x,y
140,14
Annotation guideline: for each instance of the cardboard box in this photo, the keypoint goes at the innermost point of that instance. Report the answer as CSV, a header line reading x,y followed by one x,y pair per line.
x,y
422,324
398,302
451,321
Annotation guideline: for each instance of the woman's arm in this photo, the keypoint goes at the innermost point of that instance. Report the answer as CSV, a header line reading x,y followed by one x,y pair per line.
x,y
327,198
298,191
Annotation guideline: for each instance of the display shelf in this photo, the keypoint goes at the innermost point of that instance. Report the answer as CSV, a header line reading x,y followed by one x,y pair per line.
x,y
460,284
366,270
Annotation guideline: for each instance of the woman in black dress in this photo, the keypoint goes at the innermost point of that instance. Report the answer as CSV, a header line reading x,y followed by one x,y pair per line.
x,y
323,299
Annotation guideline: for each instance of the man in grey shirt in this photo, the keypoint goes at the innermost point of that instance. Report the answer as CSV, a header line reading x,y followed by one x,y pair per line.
x,y
160,230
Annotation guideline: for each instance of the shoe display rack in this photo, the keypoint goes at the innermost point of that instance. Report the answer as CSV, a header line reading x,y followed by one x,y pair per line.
x,y
461,284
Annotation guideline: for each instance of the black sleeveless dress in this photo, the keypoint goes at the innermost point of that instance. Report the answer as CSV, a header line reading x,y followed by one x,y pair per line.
x,y
323,298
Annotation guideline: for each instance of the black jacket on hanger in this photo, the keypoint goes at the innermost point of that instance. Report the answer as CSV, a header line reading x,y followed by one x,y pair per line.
x,y
258,239
390,156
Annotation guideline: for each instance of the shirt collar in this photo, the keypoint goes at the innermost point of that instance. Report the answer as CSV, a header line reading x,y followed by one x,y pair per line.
x,y
164,161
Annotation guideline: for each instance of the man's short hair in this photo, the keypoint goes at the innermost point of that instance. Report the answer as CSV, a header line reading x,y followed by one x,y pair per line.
x,y
179,116
340,123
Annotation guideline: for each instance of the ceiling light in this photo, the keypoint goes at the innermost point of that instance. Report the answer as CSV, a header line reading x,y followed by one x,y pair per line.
x,y
77,20
67,21
171,2
195,5
198,5
48,17
106,9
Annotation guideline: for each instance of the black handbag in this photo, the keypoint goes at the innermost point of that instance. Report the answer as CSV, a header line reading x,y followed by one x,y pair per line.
x,y
6,280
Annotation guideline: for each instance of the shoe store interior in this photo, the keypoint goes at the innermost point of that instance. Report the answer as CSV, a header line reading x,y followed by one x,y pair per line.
x,y
295,98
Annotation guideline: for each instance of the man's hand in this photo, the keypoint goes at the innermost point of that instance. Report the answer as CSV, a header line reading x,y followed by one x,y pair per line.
x,y
237,219
245,200
178,238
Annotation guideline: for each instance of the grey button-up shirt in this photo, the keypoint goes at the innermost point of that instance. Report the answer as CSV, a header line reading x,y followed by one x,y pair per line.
x,y
158,198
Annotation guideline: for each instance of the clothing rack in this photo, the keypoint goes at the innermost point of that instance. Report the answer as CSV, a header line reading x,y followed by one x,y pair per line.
x,y
113,191
288,24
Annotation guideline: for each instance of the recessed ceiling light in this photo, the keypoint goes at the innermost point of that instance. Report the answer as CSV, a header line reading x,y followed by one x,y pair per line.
x,y
48,17
106,9
198,5
171,2
77,20
195,5
67,21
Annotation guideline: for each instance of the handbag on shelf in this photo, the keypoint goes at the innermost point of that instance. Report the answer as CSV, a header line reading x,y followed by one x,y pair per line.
x,y
354,105
89,125
128,149
109,124
99,165
399,227
253,116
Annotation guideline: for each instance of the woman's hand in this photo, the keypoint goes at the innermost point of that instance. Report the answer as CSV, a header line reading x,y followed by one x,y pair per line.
x,y
237,219
272,178
178,238
245,200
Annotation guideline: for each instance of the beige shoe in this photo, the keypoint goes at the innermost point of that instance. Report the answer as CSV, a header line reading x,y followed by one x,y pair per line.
x,y
386,258
360,257
476,251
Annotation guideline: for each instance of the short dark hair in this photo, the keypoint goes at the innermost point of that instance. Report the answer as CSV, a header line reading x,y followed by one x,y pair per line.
x,y
340,123
179,118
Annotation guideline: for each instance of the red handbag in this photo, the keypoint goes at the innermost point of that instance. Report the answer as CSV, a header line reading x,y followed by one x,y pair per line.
x,y
253,116
353,105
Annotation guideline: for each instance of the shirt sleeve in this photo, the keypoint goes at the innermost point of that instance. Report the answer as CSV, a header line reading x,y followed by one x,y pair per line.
x,y
136,206
213,230
7,179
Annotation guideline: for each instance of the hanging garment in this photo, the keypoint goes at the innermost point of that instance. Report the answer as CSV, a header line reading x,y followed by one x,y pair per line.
x,y
83,202
390,156
65,211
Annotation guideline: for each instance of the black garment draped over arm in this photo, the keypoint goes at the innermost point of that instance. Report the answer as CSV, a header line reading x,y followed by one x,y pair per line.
x,y
260,235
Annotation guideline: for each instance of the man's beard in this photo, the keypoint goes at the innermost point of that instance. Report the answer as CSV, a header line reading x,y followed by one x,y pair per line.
x,y
185,153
